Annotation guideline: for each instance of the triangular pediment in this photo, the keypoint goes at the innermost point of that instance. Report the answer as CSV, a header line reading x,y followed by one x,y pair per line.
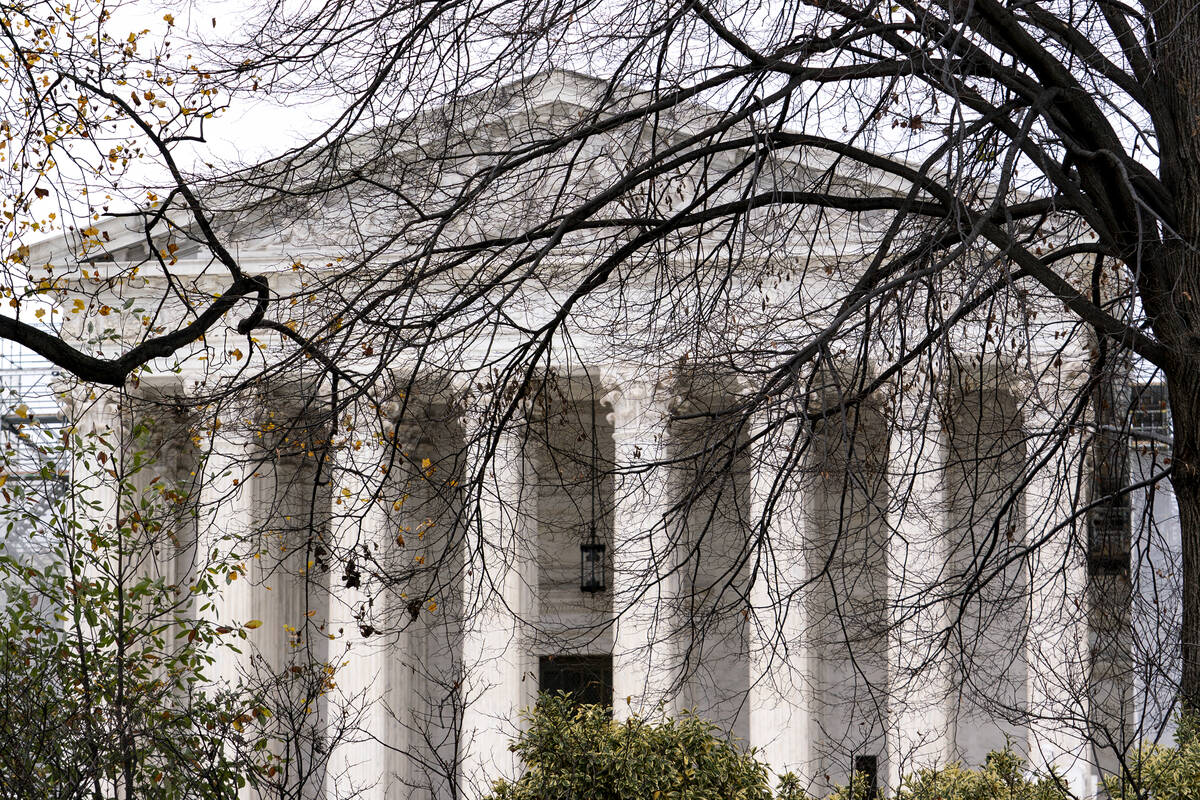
x,y
323,200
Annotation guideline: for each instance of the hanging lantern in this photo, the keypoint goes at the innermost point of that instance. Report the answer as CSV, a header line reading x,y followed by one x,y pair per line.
x,y
591,565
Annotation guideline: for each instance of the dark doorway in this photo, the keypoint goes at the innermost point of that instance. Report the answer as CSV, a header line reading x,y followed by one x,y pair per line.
x,y
868,768
589,679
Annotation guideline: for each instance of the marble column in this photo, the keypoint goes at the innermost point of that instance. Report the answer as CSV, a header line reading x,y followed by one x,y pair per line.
x,y
179,463
361,652
136,471
1055,531
166,485
224,521
406,496
781,680
283,583
919,662
165,488
227,523
499,586
646,578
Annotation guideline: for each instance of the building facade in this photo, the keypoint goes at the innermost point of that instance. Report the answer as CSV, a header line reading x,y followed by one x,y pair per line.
x,y
880,564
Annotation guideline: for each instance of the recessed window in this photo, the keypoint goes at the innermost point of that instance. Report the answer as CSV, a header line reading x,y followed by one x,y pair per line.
x,y
589,679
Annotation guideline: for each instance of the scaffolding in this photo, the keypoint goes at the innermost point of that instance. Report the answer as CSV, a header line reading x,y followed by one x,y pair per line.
x,y
36,466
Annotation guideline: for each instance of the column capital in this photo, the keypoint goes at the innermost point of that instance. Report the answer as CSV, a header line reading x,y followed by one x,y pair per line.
x,y
640,406
415,414
96,411
402,424
1048,390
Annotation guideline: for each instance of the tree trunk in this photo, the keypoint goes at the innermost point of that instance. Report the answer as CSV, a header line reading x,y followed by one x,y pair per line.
x,y
1174,308
1185,478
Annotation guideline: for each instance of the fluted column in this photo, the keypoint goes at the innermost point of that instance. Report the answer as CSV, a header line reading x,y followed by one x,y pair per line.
x,y
406,495
227,524
499,585
164,482
919,664
781,681
645,567
361,652
284,498
224,521
1057,647
179,550
160,464
134,474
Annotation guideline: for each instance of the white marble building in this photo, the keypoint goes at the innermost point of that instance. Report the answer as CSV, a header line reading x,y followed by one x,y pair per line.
x,y
902,583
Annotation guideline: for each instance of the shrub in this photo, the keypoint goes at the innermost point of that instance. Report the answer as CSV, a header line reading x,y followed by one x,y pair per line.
x,y
577,752
1161,772
1003,776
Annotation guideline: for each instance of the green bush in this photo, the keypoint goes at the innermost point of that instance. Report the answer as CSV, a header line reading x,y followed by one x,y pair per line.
x,y
1161,772
1003,776
574,752
577,752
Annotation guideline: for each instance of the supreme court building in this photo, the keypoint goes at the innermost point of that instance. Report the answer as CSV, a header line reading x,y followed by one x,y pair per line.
x,y
883,565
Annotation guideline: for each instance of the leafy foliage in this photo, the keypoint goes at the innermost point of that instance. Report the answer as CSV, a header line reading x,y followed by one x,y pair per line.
x,y
579,752
1163,772
103,652
1003,776
791,787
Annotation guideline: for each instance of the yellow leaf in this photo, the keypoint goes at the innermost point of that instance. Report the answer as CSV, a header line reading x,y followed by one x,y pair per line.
x,y
22,411
169,18
77,306
254,623
3,479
